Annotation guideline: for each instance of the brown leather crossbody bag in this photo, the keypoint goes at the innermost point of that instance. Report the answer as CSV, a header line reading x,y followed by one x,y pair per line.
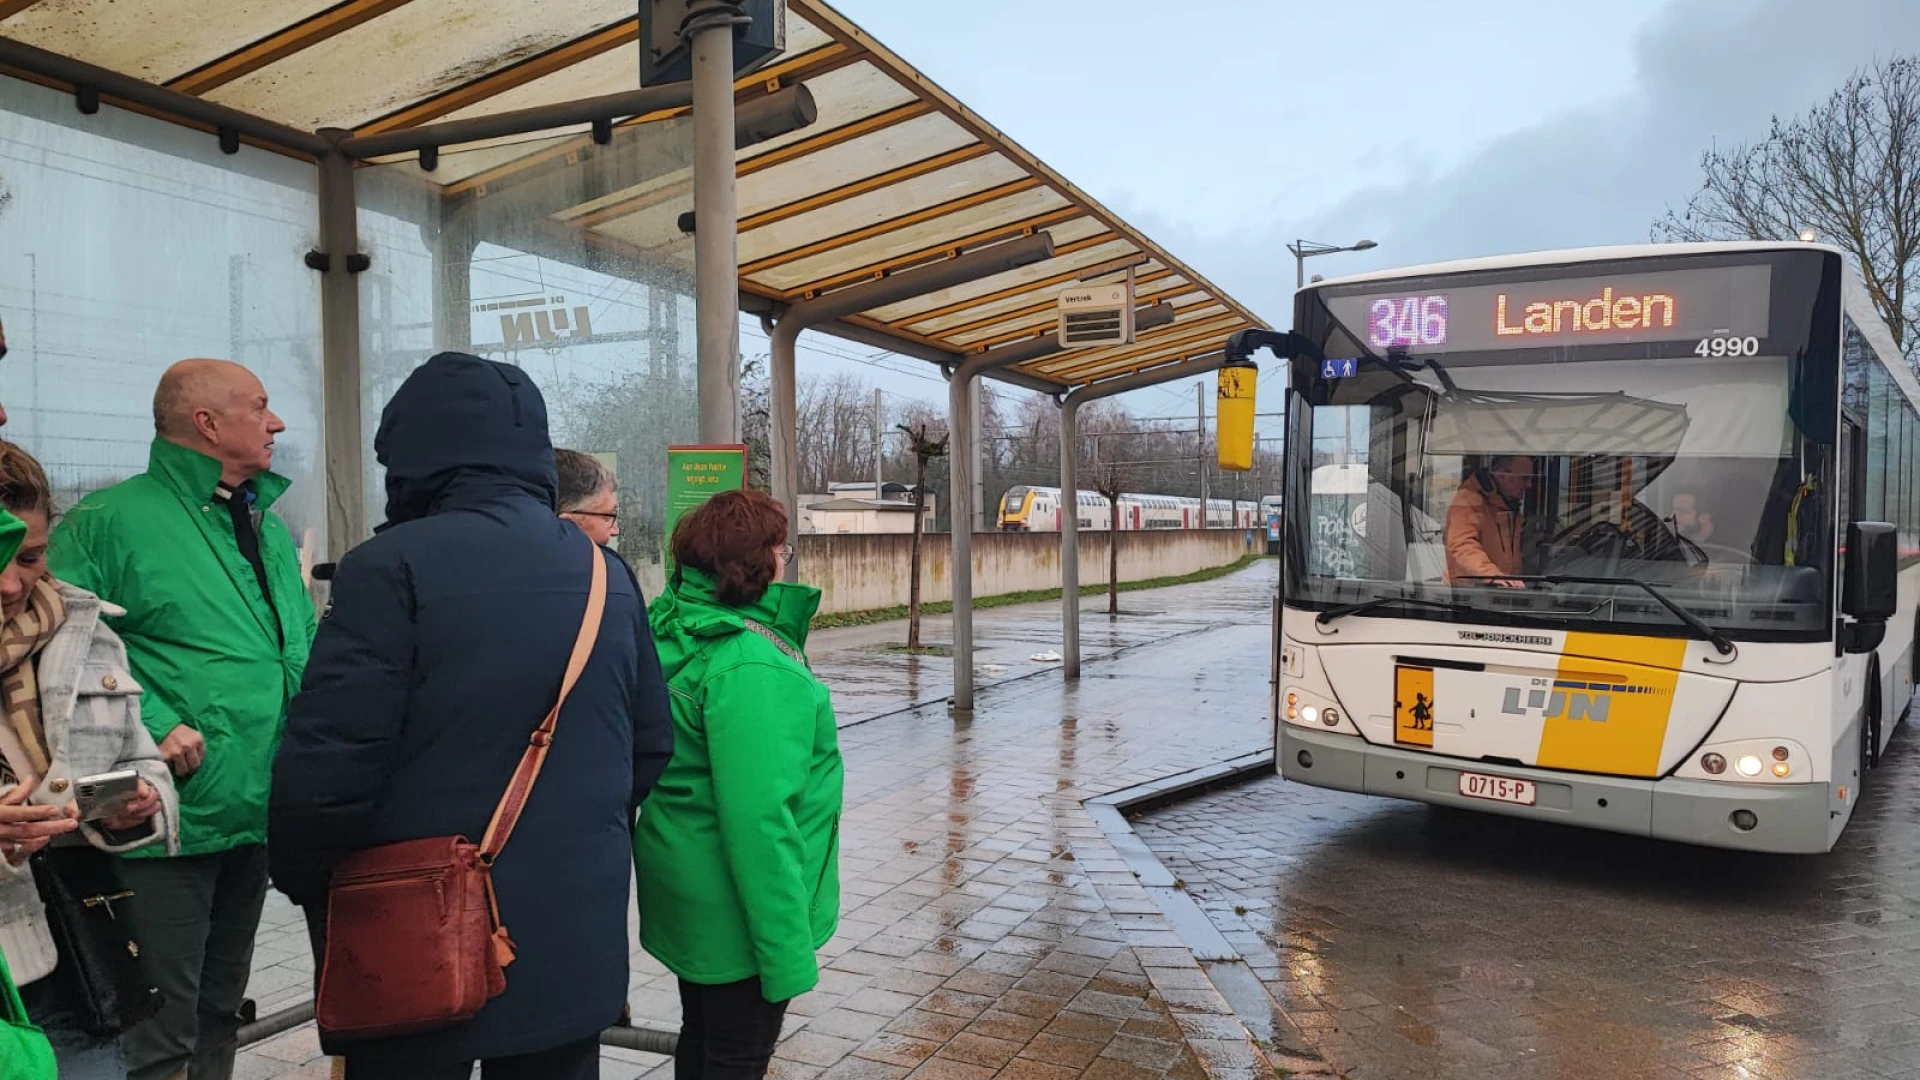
x,y
414,937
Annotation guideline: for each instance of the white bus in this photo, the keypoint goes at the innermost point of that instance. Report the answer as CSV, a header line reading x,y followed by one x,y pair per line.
x,y
1623,538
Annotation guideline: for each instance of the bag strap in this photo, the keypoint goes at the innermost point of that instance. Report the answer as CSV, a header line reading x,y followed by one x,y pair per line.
x,y
507,814
778,643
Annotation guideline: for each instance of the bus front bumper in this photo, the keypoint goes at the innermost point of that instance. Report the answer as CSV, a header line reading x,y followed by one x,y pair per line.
x,y
1786,818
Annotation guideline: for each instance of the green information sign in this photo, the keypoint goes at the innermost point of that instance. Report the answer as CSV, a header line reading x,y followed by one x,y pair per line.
x,y
698,473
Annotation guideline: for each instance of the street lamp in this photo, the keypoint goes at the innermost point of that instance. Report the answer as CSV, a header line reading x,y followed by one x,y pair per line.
x,y
1303,248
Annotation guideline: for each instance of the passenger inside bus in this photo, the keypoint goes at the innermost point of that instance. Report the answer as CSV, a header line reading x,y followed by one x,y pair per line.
x,y
1484,523
1690,519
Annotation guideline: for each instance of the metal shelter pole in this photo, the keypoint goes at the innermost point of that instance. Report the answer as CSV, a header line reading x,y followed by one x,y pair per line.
x,y
339,262
527,121
784,336
716,287
959,389
1070,522
1200,450
1070,534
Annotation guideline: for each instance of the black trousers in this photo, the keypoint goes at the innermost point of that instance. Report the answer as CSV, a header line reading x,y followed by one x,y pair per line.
x,y
573,1061
196,917
727,1031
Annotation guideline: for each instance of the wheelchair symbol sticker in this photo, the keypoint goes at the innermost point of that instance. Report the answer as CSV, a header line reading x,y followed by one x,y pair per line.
x,y
1339,369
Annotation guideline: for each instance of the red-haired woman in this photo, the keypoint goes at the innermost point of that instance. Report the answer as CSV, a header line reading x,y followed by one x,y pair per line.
x,y
737,847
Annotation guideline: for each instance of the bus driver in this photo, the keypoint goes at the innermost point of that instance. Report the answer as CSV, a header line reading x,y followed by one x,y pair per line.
x,y
1483,523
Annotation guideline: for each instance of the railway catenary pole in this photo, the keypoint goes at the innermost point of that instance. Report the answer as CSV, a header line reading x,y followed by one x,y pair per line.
x,y
1200,446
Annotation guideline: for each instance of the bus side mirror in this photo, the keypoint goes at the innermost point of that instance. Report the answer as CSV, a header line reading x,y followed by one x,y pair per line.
x,y
1870,588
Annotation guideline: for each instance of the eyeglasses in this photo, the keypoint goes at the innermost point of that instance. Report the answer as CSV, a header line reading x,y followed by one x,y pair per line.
x,y
615,516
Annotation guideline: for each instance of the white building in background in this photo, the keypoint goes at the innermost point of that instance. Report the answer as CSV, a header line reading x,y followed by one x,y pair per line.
x,y
852,508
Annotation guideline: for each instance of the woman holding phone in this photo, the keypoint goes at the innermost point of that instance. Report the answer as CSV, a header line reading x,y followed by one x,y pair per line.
x,y
68,710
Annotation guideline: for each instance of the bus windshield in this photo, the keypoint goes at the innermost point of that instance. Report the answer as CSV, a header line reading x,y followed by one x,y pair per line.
x,y
1553,486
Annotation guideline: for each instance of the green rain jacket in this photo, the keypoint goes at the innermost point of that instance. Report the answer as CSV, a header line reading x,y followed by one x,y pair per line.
x,y
13,533
24,1051
737,848
201,639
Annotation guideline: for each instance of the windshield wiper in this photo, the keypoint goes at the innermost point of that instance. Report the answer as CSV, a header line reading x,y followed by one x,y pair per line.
x,y
1707,633
1364,606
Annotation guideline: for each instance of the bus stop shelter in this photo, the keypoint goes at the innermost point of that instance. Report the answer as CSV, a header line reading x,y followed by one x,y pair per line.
x,y
379,175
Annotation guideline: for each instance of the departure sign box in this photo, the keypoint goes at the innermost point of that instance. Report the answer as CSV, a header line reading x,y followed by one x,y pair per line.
x,y
698,473
1700,304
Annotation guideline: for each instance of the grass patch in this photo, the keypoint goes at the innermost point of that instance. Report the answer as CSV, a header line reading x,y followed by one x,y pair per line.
x,y
924,650
1032,596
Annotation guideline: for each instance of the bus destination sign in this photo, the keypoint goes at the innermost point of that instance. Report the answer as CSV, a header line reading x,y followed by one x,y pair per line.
x,y
1695,305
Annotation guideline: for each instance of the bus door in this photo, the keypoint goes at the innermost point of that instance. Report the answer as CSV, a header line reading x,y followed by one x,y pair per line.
x,y
1853,488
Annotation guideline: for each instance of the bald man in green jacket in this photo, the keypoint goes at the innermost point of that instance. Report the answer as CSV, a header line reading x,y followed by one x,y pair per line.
x,y
217,630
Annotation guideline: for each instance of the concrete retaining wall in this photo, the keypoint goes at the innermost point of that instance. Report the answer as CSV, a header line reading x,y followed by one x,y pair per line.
x,y
864,572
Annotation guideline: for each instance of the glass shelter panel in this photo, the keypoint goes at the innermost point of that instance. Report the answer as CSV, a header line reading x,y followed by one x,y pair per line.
x,y
131,243
606,329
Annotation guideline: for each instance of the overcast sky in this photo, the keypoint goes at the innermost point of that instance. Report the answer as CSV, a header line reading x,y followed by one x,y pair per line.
x,y
1439,130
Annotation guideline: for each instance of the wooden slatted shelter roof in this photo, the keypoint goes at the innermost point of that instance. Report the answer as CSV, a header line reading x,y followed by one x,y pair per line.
x,y
895,173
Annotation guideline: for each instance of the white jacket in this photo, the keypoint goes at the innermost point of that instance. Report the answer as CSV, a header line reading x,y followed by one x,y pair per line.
x,y
90,707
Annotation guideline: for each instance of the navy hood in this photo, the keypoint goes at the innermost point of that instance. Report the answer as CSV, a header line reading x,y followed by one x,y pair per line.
x,y
463,430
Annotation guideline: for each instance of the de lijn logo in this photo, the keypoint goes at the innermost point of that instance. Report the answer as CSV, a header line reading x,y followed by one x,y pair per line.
x,y
1570,699
1561,698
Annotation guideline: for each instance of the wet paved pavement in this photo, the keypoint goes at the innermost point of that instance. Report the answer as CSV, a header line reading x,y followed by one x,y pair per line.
x,y
1408,943
989,928
872,675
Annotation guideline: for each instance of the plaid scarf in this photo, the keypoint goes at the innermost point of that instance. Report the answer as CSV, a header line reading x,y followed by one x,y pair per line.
x,y
20,640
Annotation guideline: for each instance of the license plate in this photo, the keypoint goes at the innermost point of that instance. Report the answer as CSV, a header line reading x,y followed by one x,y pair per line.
x,y
1497,788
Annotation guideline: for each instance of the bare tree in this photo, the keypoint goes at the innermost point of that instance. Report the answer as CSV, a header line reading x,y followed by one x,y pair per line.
x,y
834,426
1849,169
756,423
1110,484
634,417
924,449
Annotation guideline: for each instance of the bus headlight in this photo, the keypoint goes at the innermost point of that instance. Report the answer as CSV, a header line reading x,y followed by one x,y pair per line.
x,y
1764,761
1311,707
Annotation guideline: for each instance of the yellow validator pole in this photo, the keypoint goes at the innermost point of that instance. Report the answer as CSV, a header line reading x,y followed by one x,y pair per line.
x,y
1234,412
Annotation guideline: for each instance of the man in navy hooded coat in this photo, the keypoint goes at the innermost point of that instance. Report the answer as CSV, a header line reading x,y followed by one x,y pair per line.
x,y
442,651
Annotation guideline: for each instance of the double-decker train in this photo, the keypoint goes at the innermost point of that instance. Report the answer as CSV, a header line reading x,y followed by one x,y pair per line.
x,y
1037,509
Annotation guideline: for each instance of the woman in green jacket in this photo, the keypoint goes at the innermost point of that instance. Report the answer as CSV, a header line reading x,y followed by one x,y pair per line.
x,y
24,1050
737,847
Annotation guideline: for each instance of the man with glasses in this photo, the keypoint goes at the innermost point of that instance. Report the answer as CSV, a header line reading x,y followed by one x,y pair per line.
x,y
589,495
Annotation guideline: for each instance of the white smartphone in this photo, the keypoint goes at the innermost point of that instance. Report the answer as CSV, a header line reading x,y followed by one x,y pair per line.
x,y
105,794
